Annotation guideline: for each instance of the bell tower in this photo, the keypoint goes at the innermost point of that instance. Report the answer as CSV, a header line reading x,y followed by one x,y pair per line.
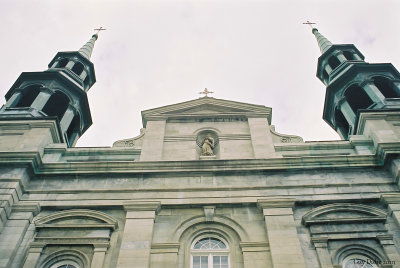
x,y
354,86
59,93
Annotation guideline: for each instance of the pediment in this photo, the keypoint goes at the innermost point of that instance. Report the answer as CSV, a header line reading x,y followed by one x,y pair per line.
x,y
344,212
207,106
77,218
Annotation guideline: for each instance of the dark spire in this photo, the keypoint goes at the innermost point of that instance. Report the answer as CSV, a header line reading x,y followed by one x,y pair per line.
x,y
87,49
323,43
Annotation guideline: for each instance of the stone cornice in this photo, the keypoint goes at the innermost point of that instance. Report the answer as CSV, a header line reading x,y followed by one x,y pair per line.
x,y
142,205
391,198
140,167
275,203
33,207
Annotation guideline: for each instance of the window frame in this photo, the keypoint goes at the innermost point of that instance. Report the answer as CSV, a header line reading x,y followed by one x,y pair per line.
x,y
65,262
210,252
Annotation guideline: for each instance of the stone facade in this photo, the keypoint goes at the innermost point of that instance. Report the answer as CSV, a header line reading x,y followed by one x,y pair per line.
x,y
263,199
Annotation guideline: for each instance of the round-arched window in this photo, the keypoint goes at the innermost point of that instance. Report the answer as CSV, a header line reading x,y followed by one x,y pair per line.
x,y
65,264
358,261
209,252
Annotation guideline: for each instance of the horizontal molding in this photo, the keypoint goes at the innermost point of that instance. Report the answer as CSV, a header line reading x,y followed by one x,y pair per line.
x,y
360,220
254,246
234,165
76,226
161,248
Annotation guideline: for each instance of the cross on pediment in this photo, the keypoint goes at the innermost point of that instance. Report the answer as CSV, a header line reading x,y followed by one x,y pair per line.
x,y
206,92
99,29
310,24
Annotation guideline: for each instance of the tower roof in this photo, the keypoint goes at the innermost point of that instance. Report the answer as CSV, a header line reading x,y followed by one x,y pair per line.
x,y
87,49
323,43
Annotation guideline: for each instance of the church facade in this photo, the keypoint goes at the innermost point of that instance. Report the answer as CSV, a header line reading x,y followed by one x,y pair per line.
x,y
208,183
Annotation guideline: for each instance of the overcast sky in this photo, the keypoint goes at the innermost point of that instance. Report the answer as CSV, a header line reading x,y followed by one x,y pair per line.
x,y
156,53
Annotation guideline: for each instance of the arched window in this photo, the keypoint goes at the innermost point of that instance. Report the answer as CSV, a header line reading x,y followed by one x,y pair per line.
x,y
29,94
78,68
62,63
385,86
358,261
56,105
209,252
333,62
65,264
348,55
357,98
341,124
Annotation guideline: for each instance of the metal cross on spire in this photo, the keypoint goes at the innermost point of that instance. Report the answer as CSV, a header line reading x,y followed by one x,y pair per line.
x,y
99,29
205,92
310,24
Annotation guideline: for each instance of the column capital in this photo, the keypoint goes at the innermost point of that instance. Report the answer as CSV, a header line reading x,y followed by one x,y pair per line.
x,y
33,207
276,203
46,90
385,239
365,82
392,198
142,205
254,246
100,247
36,247
320,242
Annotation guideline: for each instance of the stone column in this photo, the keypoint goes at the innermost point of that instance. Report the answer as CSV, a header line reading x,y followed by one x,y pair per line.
x,y
389,248
42,98
67,118
13,101
261,138
321,246
14,231
70,64
83,74
164,255
282,234
341,57
357,57
138,234
35,249
348,113
373,92
328,69
98,255
153,142
393,203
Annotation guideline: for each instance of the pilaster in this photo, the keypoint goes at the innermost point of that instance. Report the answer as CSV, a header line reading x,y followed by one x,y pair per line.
x,y
164,255
390,249
348,112
153,141
321,246
138,234
14,99
255,254
67,118
261,138
282,234
373,92
32,258
41,99
14,231
393,202
98,255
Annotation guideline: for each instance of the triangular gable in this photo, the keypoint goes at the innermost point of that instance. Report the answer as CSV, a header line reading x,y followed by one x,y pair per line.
x,y
207,106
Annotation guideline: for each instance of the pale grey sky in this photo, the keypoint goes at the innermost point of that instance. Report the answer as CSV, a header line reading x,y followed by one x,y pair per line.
x,y
156,53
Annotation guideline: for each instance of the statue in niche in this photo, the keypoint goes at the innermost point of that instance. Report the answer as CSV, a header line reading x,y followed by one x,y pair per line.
x,y
207,146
